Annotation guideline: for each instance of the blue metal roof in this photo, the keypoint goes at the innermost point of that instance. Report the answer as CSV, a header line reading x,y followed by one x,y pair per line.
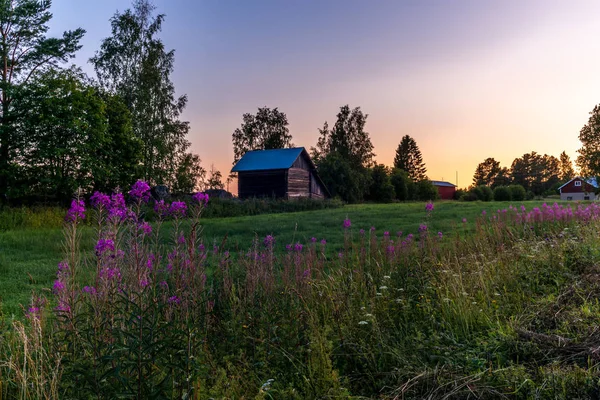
x,y
442,183
263,160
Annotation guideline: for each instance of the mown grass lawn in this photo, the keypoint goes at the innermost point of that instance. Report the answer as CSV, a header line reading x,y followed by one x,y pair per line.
x,y
28,257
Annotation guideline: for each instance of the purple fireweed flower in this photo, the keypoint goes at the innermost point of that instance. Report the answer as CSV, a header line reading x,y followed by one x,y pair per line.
x,y
89,290
58,286
100,200
164,284
362,232
201,247
341,255
288,247
269,241
140,191
390,249
372,229
313,239
201,198
409,236
440,235
110,273
386,234
306,273
63,307
76,212
63,266
174,300
146,228
429,207
144,283
298,247
161,208
118,208
347,223
177,209
181,239
323,242
399,233
464,220
483,213
104,245
422,228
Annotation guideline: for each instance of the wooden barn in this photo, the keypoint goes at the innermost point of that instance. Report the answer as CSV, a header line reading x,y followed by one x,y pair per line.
x,y
579,189
445,189
279,173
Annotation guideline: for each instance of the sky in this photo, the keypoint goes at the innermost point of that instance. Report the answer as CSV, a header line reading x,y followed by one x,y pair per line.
x,y
466,79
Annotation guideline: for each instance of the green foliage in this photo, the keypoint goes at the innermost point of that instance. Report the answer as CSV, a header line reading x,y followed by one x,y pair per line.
x,y
536,173
490,173
341,179
190,174
215,179
425,191
348,139
381,189
566,168
134,64
588,160
408,158
400,180
25,50
268,129
517,192
502,193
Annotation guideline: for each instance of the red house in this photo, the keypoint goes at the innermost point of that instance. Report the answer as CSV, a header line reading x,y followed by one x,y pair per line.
x,y
445,189
579,189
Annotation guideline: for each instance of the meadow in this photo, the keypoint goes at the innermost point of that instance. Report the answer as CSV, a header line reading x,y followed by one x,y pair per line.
x,y
30,252
400,301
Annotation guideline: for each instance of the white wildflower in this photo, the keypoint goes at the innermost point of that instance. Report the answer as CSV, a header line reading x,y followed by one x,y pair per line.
x,y
363,323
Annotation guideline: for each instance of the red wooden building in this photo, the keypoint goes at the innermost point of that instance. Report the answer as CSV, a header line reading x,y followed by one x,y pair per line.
x,y
579,189
445,189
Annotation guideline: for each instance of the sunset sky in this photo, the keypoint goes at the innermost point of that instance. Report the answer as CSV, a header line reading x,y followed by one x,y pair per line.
x,y
466,79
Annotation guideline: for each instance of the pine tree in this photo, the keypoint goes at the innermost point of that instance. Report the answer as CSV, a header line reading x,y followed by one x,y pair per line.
x,y
408,158
566,167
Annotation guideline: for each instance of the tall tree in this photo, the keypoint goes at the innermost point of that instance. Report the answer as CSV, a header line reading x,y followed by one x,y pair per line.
x,y
77,137
588,160
347,138
486,172
535,173
567,171
215,180
24,50
268,129
133,63
190,175
408,158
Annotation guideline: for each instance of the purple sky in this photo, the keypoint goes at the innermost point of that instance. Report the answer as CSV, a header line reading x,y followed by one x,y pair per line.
x,y
466,79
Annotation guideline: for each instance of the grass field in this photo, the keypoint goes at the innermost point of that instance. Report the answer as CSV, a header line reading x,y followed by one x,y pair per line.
x,y
496,307
28,257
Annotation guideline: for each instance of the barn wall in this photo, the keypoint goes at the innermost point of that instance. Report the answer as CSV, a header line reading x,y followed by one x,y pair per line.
x,y
298,182
446,192
571,188
262,184
316,190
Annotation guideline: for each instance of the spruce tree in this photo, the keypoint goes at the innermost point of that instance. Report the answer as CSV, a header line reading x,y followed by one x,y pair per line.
x,y
409,158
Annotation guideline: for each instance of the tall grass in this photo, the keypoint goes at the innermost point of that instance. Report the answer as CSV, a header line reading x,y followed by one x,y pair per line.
x,y
505,313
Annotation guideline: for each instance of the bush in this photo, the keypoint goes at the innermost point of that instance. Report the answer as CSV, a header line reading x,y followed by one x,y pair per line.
x,y
502,193
517,192
401,182
425,191
459,193
342,180
381,188
488,194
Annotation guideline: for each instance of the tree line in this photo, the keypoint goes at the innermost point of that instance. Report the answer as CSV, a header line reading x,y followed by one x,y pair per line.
x,y
61,130
344,156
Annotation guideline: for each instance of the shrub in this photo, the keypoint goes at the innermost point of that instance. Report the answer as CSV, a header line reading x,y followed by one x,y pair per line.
x,y
502,193
425,191
400,181
517,192
381,189
487,193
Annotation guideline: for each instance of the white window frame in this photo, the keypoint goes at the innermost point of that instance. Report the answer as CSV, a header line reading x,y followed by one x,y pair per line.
x,y
577,183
